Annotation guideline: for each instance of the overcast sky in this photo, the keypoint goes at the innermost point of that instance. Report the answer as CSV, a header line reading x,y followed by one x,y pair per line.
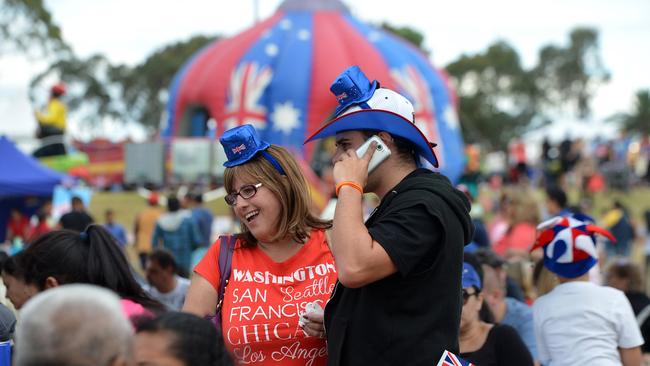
x,y
127,31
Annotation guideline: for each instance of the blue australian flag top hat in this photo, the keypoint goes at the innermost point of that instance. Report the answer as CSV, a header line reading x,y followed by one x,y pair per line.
x,y
242,143
363,105
569,245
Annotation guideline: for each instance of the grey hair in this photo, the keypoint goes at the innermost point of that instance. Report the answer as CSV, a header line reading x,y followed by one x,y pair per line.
x,y
74,324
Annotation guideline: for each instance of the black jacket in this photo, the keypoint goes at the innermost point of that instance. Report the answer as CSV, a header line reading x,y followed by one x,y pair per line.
x,y
412,316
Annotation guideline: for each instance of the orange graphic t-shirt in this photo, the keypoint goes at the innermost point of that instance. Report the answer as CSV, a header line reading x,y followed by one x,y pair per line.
x,y
264,300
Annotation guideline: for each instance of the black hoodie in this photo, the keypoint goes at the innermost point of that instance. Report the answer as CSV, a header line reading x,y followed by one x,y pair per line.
x,y
412,316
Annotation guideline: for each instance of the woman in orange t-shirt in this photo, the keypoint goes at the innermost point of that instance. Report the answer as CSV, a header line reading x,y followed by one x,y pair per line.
x,y
281,261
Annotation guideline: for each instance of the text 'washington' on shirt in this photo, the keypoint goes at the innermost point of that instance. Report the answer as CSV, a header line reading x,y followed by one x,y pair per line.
x,y
264,300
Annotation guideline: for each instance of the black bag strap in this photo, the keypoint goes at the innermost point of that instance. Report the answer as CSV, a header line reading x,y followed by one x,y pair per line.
x,y
225,269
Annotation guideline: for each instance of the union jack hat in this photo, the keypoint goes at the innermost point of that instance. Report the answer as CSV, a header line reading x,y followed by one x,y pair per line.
x,y
363,105
569,245
242,143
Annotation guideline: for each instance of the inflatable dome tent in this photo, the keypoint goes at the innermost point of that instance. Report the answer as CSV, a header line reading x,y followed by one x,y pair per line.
x,y
276,76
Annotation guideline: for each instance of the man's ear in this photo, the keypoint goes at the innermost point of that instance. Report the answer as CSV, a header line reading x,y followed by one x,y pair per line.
x,y
386,137
51,282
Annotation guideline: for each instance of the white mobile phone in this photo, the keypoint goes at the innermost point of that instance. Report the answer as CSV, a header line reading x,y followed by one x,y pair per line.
x,y
381,153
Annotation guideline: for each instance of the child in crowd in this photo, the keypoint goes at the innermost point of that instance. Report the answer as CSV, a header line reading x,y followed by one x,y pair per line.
x,y
579,322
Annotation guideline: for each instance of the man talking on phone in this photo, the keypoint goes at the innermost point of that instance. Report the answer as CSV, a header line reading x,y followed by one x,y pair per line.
x,y
398,299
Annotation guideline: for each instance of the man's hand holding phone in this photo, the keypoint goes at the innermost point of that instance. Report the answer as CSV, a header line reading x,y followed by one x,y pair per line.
x,y
355,166
352,168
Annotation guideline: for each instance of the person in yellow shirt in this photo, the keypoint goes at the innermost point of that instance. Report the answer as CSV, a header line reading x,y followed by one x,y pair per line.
x,y
52,121
145,223
617,220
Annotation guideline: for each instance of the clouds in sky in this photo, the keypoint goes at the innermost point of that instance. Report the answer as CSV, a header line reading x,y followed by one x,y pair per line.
x,y
127,31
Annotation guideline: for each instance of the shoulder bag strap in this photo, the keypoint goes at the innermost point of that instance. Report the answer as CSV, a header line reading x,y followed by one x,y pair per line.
x,y
225,269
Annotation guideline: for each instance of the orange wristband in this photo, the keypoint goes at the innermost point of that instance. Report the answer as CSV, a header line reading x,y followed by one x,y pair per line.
x,y
350,183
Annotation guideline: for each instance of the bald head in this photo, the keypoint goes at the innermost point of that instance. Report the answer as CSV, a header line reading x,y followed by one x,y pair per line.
x,y
74,325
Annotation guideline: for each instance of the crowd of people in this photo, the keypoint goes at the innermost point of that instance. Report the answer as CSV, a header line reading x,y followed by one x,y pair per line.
x,y
498,275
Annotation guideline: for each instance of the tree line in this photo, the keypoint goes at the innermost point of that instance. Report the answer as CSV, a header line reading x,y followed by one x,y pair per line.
x,y
499,97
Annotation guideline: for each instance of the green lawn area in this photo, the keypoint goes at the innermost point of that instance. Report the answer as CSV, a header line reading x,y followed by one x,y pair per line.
x,y
126,206
637,201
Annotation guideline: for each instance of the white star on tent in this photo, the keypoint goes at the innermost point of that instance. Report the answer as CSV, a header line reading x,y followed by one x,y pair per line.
x,y
451,117
271,49
303,34
285,24
285,117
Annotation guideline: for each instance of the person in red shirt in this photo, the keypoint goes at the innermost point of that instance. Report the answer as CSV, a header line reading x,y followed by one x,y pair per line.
x,y
522,214
18,225
41,227
281,263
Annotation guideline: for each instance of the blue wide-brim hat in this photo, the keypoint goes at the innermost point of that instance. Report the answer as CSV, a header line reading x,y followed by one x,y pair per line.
x,y
365,106
242,143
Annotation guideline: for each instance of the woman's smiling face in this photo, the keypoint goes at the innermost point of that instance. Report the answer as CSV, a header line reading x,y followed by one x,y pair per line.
x,y
260,213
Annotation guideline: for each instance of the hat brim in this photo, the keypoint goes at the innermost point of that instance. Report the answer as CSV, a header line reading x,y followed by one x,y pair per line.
x,y
381,120
570,270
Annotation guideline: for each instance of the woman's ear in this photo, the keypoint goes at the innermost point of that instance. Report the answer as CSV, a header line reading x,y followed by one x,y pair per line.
x,y
51,282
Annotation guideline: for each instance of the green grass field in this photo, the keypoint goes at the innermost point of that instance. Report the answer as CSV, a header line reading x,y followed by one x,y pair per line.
x,y
127,204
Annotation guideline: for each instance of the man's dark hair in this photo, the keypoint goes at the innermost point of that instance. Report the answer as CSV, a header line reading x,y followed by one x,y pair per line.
x,y
10,264
164,258
195,340
197,197
489,258
629,271
76,200
41,215
557,195
173,204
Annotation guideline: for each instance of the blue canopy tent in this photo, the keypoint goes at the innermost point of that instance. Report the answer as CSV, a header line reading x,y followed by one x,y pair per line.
x,y
24,183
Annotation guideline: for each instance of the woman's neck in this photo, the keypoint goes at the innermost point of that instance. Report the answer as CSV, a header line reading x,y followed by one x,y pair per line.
x,y
473,336
280,250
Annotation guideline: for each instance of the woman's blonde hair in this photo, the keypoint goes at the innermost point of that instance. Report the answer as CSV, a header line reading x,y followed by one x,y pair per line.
x,y
524,206
521,271
296,220
544,280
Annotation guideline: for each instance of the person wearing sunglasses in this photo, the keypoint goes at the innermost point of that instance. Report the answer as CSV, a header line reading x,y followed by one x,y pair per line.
x,y
281,263
481,342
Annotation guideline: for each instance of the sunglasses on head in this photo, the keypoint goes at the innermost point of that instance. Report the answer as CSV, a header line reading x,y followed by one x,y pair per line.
x,y
467,295
247,191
